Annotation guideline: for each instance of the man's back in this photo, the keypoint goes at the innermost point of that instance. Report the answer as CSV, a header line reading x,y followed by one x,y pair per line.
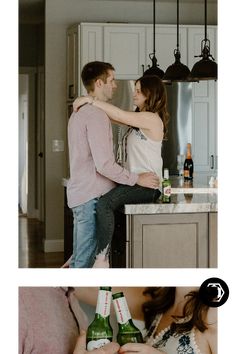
x,y
92,162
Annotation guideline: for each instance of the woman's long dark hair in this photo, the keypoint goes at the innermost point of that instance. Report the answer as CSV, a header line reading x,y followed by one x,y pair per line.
x,y
156,98
163,298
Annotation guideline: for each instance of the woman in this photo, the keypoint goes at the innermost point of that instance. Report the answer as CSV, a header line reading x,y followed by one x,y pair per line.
x,y
176,319
144,142
178,322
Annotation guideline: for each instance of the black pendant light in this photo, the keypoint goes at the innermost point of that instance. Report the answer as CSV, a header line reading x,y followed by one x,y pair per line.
x,y
177,71
154,70
206,68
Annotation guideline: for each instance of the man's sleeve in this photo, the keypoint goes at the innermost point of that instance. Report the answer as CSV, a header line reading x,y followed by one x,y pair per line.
x,y
99,137
25,331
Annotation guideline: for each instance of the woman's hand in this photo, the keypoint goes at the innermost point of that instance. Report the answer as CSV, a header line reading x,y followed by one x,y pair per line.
x,y
80,348
138,348
80,101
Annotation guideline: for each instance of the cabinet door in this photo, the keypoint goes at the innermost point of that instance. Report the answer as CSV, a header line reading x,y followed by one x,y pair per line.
x,y
91,38
124,48
204,107
165,43
204,128
72,62
169,241
213,230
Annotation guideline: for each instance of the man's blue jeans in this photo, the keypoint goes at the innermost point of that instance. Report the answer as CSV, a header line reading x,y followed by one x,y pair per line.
x,y
84,235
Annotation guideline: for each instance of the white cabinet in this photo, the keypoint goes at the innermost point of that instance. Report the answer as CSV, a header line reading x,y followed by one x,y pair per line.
x,y
84,44
165,44
124,47
91,37
91,44
204,106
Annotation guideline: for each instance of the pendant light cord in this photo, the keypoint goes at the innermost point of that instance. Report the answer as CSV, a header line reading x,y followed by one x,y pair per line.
x,y
154,27
205,20
177,24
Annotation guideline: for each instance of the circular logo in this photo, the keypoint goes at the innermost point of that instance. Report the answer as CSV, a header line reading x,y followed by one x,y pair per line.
x,y
214,292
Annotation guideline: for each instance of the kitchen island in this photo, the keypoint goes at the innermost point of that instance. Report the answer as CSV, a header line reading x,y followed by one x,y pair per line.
x,y
180,234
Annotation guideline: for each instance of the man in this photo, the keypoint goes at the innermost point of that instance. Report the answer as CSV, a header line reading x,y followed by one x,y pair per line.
x,y
52,321
93,169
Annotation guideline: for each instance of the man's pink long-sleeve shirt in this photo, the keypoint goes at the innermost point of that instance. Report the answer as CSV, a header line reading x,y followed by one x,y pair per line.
x,y
93,169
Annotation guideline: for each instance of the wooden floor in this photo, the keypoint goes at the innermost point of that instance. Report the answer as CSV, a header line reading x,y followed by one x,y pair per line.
x,y
31,255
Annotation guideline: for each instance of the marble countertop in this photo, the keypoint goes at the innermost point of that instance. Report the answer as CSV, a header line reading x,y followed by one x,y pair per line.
x,y
199,184
180,203
186,197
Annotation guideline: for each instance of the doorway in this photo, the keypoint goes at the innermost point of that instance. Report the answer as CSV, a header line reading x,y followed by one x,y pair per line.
x,y
31,143
23,144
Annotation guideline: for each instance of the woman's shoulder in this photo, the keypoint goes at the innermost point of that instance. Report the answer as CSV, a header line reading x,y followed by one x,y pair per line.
x,y
211,316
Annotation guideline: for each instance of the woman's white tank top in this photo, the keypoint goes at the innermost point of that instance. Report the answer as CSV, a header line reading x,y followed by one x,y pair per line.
x,y
143,154
172,343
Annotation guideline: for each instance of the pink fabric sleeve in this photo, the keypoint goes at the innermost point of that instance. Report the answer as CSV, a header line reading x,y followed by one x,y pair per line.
x,y
101,144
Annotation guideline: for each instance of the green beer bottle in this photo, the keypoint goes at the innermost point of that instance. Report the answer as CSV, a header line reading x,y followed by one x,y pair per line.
x,y
100,331
127,332
166,187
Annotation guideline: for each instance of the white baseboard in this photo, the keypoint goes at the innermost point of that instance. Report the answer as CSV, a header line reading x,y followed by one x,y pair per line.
x,y
53,246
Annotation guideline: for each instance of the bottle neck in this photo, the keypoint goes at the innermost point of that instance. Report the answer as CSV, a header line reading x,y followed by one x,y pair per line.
x,y
188,155
166,173
103,304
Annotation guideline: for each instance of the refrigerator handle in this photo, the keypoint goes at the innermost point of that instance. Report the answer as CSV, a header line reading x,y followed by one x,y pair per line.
x,y
212,162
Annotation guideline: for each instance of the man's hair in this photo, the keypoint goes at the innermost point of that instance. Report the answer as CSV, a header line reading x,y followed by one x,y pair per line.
x,y
93,71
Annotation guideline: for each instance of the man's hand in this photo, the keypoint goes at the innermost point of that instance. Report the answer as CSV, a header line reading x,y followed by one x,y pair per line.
x,y
80,348
149,180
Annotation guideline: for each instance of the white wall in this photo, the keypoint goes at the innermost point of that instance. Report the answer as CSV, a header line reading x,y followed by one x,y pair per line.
x,y
60,14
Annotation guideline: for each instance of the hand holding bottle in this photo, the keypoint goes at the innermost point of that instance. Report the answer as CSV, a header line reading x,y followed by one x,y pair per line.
x,y
80,348
138,348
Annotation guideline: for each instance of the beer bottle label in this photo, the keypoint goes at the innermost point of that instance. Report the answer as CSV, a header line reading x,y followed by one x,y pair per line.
x,y
95,344
186,173
122,310
104,303
167,191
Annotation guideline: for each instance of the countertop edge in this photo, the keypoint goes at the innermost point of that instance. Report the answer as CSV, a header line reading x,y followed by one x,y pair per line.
x,y
142,209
